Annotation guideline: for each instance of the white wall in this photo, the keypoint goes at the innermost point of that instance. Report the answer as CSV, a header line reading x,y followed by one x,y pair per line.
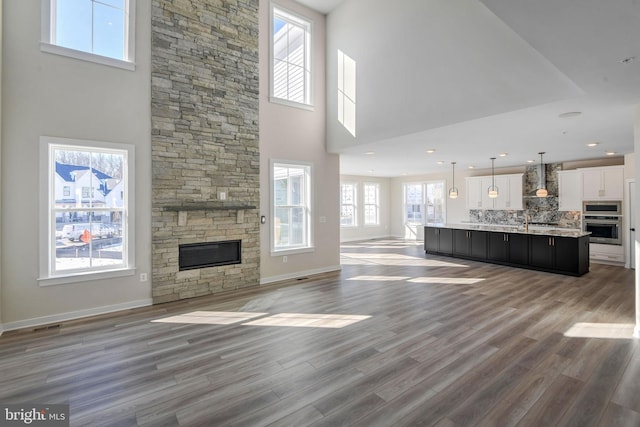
x,y
46,94
288,133
362,232
1,84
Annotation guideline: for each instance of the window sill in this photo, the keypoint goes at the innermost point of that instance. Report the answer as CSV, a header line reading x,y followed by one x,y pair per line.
x,y
281,252
85,277
308,107
86,56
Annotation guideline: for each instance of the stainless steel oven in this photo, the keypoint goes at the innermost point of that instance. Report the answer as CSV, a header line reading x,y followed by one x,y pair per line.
x,y
602,208
603,228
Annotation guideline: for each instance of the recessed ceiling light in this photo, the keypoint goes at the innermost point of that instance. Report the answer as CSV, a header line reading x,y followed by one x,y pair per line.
x,y
610,153
370,170
504,154
431,150
471,167
404,174
628,60
440,162
593,144
569,114
530,161
370,153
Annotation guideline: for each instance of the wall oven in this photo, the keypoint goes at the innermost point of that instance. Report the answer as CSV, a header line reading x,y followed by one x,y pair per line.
x,y
604,221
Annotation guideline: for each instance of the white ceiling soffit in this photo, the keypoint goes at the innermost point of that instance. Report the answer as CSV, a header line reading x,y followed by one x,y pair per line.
x,y
322,6
473,81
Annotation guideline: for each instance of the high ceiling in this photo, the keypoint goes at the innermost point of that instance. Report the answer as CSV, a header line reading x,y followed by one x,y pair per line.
x,y
545,58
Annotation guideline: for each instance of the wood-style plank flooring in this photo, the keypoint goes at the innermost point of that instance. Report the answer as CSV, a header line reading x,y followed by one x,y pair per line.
x,y
413,340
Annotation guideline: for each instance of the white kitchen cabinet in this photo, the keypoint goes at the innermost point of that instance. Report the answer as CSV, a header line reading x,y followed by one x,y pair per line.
x,y
570,190
476,197
605,183
509,192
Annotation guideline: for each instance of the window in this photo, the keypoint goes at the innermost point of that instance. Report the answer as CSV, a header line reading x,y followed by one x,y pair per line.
x,y
86,227
290,58
95,30
347,92
424,203
291,206
371,204
348,197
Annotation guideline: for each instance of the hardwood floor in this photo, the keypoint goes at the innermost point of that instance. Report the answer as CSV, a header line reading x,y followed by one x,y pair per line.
x,y
439,341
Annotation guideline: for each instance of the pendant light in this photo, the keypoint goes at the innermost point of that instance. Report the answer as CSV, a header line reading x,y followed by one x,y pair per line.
x,y
453,191
493,190
541,191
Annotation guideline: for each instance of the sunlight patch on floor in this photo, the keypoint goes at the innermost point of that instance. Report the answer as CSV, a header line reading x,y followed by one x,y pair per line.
x,y
447,280
308,320
211,317
601,330
395,260
334,321
379,278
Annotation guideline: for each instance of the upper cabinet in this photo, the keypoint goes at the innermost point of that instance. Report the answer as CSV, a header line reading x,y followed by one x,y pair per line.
x,y
509,192
570,190
605,183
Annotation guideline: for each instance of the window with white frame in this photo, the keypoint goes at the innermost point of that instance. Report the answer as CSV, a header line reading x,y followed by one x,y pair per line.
x,y
291,206
290,58
348,205
371,204
95,30
86,217
424,203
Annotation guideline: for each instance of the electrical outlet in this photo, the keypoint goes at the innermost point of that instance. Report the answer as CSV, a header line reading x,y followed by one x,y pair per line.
x,y
222,195
284,259
143,277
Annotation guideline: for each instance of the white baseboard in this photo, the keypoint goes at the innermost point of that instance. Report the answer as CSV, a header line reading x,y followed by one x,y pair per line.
x,y
298,274
55,318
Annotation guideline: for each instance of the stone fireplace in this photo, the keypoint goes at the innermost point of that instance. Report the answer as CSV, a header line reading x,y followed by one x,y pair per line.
x,y
204,116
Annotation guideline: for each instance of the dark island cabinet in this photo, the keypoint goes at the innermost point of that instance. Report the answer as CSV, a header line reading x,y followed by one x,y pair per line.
x,y
518,248
498,247
438,240
470,243
557,254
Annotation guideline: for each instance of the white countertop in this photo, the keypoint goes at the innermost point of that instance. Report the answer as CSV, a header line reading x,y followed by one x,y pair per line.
x,y
537,230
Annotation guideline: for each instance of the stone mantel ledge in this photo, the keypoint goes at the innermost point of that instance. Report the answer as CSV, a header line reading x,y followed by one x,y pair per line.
x,y
209,206
184,208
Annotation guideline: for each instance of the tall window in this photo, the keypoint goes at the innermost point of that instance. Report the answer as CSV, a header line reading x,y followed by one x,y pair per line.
x,y
292,206
95,30
371,204
424,203
348,197
291,58
86,224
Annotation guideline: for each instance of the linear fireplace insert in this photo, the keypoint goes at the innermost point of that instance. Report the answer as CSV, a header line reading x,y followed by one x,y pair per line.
x,y
209,254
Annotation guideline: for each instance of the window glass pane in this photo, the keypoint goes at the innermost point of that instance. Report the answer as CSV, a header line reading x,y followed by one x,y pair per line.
x,y
88,239
73,24
113,3
88,208
108,31
291,57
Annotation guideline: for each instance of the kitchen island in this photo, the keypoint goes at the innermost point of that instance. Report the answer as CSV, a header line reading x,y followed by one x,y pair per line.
x,y
553,250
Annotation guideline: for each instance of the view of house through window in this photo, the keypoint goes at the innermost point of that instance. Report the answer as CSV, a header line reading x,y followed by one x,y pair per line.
x,y
291,56
88,208
291,204
424,203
